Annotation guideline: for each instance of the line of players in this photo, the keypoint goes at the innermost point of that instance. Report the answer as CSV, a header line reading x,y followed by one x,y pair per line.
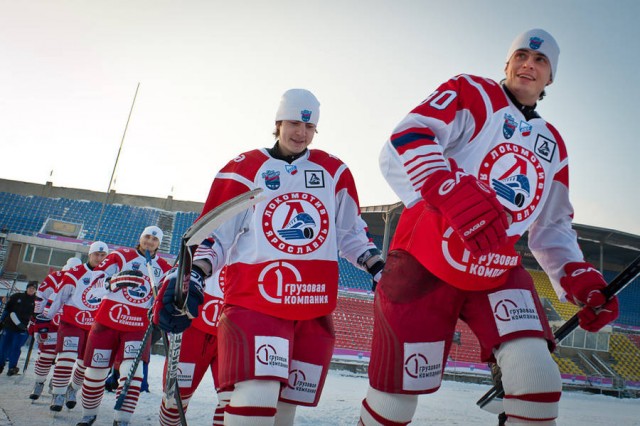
x,y
90,317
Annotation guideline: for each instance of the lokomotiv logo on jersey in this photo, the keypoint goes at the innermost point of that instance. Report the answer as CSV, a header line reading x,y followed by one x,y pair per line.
x,y
296,223
138,295
89,299
517,176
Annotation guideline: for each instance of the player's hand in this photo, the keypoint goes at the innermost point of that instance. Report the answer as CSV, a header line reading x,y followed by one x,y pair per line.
x,y
583,284
170,317
470,207
122,279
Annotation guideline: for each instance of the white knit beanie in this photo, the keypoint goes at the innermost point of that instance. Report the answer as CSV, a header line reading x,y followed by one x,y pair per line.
x,y
98,246
299,105
154,231
540,41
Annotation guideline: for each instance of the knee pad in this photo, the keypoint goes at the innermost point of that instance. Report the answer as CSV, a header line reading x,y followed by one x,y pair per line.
x,y
531,381
96,374
381,408
253,403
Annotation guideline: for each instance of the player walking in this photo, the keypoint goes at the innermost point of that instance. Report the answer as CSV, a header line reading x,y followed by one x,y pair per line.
x,y
476,167
46,334
276,335
77,299
120,323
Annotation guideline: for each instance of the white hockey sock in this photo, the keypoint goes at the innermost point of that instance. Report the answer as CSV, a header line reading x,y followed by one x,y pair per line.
x,y
223,401
286,414
78,374
531,382
169,416
131,398
93,390
62,372
387,409
43,365
253,403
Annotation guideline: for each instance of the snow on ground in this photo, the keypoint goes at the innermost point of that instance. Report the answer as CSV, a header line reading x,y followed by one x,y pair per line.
x,y
453,404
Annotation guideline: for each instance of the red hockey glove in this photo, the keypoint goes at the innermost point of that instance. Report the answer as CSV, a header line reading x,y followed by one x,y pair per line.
x,y
123,279
470,207
583,284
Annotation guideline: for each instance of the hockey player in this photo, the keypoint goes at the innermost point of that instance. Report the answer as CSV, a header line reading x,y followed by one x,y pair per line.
x,y
46,333
76,300
14,324
276,335
476,167
120,323
200,355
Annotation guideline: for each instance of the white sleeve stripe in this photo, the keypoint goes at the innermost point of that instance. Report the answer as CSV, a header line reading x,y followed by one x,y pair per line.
x,y
237,178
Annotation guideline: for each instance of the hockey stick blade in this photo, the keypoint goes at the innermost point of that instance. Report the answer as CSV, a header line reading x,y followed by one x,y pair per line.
x,y
216,217
201,229
622,280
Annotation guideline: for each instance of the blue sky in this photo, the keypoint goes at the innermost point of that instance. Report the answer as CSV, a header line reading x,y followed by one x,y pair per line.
x,y
211,74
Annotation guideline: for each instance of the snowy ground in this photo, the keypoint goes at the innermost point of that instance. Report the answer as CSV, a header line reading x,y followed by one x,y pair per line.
x,y
454,404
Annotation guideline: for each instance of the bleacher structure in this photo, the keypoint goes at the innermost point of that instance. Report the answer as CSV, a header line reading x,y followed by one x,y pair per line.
x,y
120,225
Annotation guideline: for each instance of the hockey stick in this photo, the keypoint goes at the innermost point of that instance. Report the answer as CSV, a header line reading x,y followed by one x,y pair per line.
x,y
191,239
147,335
618,284
26,361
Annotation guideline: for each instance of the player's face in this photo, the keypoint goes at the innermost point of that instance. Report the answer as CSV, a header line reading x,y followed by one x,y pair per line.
x,y
528,73
96,257
149,242
295,136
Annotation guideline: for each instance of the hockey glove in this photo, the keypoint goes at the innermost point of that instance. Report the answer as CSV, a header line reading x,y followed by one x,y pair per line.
x,y
170,317
583,284
41,327
470,207
372,262
124,279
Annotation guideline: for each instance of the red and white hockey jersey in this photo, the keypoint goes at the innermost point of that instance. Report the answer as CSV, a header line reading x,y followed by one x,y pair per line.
x,y
77,297
46,292
127,309
471,120
211,309
281,256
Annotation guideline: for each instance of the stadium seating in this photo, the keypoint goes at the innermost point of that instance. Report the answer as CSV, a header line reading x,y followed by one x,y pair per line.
x,y
626,357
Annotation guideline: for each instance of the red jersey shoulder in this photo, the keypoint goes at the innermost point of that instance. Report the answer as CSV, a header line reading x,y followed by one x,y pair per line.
x,y
77,272
562,149
163,264
246,164
329,162
118,257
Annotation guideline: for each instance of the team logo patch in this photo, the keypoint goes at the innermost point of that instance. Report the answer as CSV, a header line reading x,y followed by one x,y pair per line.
x,y
422,365
545,148
271,179
281,283
305,115
517,176
70,344
514,310
135,266
535,43
525,128
291,169
121,313
509,126
84,318
100,358
304,379
185,374
138,295
271,356
211,312
314,178
131,348
296,223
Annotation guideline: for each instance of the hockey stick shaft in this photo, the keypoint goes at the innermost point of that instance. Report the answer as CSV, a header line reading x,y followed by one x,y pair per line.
x,y
26,361
618,284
